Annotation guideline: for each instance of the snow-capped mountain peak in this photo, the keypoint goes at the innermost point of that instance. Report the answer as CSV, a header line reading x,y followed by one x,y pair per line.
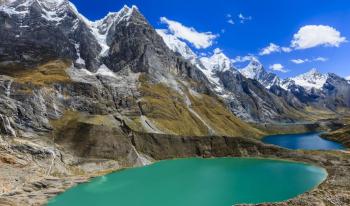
x,y
49,8
311,79
255,70
217,62
101,28
176,45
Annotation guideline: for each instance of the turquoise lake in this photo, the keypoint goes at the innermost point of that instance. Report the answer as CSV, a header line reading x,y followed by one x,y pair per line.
x,y
308,141
197,182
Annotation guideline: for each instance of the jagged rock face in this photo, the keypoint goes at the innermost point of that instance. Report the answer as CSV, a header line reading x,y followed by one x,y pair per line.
x,y
245,91
249,100
337,91
37,31
136,46
320,90
255,70
123,47
289,97
134,43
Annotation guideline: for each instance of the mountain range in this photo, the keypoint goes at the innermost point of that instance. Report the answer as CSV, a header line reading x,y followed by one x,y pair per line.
x,y
113,54
321,91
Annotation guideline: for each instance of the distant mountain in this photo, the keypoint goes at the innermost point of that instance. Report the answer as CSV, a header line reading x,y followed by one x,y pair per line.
x,y
255,70
246,97
310,80
124,45
321,90
311,88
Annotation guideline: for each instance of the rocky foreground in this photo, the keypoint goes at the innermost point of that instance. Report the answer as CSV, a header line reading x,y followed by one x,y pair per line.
x,y
31,174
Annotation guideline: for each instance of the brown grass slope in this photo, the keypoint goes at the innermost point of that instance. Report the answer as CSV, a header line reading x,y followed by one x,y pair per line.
x,y
166,107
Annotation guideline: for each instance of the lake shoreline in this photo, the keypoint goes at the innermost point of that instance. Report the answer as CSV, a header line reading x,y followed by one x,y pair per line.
x,y
118,184
158,147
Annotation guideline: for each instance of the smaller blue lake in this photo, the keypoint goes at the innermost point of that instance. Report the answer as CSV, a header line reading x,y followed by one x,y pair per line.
x,y
307,141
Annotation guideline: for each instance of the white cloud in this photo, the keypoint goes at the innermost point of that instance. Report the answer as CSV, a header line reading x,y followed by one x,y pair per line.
x,y
301,61
317,35
286,49
228,15
278,67
200,40
347,78
230,21
272,48
240,59
320,59
244,18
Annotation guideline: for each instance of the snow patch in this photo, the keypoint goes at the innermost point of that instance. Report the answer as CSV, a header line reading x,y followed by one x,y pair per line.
x,y
218,62
101,28
79,60
311,79
176,45
104,71
255,70
8,88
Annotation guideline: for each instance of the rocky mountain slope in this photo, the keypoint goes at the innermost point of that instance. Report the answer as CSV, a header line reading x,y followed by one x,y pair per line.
x,y
255,70
121,66
312,89
319,90
246,97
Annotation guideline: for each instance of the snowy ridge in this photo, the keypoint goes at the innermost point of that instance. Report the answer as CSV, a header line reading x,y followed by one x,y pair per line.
x,y
309,80
51,10
176,45
56,11
13,7
255,70
210,65
101,28
217,62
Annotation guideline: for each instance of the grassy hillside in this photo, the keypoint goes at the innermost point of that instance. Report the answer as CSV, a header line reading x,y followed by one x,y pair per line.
x,y
189,113
43,75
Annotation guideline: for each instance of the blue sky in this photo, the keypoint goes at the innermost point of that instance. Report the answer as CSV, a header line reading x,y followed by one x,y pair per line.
x,y
266,21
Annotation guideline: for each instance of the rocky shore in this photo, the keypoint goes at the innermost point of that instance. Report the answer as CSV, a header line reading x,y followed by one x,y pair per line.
x,y
341,135
36,175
